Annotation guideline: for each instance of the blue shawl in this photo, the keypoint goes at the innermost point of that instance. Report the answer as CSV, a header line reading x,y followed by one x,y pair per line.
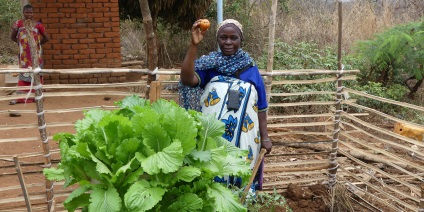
x,y
227,65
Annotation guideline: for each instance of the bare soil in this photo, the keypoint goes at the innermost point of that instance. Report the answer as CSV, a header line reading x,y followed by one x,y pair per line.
x,y
28,121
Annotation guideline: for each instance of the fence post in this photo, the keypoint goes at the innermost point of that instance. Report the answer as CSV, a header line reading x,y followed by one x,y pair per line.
x,y
22,182
37,86
155,88
333,162
270,62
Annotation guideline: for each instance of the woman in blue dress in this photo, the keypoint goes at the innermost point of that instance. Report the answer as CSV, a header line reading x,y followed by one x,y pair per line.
x,y
227,83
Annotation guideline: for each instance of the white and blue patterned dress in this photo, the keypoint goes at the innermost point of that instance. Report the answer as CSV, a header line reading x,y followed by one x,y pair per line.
x,y
242,125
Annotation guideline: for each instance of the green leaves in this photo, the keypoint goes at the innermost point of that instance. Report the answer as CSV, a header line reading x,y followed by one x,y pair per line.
x,y
105,200
169,160
224,199
142,197
187,202
394,55
146,157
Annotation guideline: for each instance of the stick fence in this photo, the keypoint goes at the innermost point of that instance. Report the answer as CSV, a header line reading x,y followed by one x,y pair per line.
x,y
279,126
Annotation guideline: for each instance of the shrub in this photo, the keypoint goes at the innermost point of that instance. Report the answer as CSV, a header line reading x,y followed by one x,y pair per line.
x,y
394,55
304,55
10,11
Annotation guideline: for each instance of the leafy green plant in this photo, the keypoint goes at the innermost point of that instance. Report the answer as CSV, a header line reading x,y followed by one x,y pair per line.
x,y
304,55
395,56
394,92
148,157
268,202
10,11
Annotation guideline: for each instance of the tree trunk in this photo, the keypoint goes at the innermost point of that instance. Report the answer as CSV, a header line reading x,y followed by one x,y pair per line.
x,y
413,89
152,54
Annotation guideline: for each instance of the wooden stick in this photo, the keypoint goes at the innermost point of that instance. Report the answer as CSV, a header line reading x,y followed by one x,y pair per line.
x,y
330,79
300,124
255,169
153,91
297,154
403,104
41,119
386,132
291,72
270,60
381,191
313,181
22,182
282,169
422,198
77,86
333,162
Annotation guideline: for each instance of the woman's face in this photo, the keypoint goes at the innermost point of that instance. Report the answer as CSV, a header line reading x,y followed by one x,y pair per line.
x,y
28,13
229,41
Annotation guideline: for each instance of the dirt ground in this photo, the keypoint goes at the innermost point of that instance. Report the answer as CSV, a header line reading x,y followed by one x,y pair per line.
x,y
32,174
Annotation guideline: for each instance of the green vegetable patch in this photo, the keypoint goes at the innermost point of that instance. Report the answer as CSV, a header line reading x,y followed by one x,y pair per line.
x,y
148,157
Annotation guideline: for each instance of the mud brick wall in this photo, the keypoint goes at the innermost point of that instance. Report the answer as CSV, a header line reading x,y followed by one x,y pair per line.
x,y
83,34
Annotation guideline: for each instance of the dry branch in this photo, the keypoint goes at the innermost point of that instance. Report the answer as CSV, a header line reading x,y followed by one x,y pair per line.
x,y
412,187
303,93
285,182
393,158
385,100
300,116
391,197
384,115
412,141
78,86
383,140
269,174
302,82
301,124
301,104
30,126
22,182
75,94
296,169
291,72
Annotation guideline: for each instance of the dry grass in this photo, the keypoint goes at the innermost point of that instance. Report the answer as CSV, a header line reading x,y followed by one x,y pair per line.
x,y
316,20
8,49
339,198
133,41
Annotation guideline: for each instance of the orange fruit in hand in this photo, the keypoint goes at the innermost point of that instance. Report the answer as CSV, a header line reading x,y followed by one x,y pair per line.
x,y
204,24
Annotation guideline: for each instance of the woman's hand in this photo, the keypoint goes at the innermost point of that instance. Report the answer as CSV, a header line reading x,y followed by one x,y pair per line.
x,y
196,33
266,144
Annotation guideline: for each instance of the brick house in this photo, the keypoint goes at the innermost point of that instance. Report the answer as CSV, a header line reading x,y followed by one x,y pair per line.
x,y
83,34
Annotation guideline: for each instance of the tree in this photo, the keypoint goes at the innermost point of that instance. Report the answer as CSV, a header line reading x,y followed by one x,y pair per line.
x,y
180,12
396,56
151,41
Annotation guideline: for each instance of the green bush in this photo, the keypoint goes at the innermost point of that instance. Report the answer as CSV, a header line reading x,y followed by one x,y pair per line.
x,y
304,55
395,92
394,55
10,11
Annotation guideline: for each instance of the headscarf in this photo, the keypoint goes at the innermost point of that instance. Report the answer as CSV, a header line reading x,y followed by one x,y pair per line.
x,y
227,65
233,24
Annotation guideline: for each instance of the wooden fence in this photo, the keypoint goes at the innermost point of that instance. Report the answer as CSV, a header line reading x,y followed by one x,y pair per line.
x,y
328,145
